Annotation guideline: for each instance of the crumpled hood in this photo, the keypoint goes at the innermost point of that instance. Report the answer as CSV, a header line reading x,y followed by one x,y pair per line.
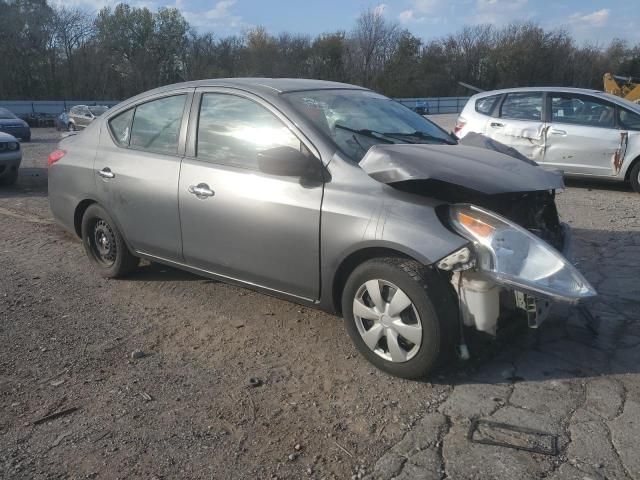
x,y
474,168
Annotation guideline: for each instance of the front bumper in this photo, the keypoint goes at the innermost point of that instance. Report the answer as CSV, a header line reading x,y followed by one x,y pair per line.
x,y
10,162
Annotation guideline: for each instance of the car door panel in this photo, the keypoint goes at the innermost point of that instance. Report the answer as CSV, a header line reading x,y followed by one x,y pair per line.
x,y
140,187
142,195
582,138
257,228
519,124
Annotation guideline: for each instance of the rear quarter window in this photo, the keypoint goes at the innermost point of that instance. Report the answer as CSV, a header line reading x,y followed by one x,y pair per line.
x,y
485,105
120,127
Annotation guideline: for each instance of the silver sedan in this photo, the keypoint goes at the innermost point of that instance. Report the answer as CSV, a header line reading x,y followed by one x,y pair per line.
x,y
326,194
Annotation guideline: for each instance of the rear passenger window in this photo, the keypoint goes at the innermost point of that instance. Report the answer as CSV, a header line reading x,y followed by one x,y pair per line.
x,y
156,124
485,105
581,110
522,106
121,127
232,130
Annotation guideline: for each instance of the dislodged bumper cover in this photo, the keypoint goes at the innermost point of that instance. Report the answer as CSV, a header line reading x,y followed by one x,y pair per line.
x,y
482,170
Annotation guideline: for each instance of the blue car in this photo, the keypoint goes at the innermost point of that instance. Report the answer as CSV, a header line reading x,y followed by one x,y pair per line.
x,y
12,125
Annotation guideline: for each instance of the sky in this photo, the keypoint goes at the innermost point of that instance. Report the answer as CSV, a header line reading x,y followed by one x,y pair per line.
x,y
590,21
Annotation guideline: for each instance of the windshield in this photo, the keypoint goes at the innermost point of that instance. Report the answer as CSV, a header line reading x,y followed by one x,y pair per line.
x,y
4,114
97,111
358,119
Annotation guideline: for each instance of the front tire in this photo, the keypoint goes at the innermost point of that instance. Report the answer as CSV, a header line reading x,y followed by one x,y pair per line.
x,y
104,244
634,177
401,315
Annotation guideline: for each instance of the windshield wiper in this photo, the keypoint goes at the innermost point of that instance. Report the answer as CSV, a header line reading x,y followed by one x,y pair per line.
x,y
423,135
367,133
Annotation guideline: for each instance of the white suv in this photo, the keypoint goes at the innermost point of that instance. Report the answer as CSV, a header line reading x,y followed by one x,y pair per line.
x,y
581,132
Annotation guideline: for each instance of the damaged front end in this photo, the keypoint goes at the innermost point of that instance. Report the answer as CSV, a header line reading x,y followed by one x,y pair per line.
x,y
505,207
507,267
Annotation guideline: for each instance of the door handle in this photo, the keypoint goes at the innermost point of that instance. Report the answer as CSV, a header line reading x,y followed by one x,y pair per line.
x,y
497,125
106,173
201,190
558,132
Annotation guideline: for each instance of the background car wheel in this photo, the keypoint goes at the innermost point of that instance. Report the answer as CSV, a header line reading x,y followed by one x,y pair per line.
x,y
104,244
634,176
71,127
401,315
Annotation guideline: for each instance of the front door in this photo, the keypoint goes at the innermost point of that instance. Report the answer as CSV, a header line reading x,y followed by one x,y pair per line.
x,y
237,221
137,171
583,138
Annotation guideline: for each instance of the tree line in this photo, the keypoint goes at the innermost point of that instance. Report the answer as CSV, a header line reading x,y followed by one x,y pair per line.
x,y
50,52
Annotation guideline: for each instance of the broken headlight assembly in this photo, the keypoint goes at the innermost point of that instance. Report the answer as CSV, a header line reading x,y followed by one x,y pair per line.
x,y
516,258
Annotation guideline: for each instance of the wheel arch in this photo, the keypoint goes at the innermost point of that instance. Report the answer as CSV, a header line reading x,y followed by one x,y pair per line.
x,y
352,261
634,162
79,213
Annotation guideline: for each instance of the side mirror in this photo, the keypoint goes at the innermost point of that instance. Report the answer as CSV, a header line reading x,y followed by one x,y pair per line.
x,y
286,162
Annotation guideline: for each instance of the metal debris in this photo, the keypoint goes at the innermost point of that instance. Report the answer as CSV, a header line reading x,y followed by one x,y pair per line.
x,y
512,436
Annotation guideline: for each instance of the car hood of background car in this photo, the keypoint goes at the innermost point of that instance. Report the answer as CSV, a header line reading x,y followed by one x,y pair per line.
x,y
6,137
474,168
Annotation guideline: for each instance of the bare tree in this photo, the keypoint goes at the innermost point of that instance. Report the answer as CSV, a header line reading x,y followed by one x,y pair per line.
x,y
370,45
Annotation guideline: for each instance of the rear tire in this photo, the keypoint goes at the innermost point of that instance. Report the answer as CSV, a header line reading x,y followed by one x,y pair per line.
x,y
71,127
634,177
104,244
431,307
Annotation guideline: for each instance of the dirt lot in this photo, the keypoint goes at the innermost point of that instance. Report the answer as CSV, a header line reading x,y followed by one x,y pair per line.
x,y
187,408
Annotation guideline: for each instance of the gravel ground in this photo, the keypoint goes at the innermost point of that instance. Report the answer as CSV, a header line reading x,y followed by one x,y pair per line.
x,y
187,408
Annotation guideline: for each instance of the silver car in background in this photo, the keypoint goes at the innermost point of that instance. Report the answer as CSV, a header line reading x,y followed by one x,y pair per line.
x,y
326,194
581,132
80,116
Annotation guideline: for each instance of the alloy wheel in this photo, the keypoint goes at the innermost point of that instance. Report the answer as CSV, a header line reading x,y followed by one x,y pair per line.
x,y
387,321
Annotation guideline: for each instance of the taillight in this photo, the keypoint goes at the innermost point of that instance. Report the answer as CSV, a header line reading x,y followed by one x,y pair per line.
x,y
460,123
55,156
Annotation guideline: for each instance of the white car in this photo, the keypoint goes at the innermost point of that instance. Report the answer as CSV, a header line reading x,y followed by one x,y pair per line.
x,y
581,132
10,158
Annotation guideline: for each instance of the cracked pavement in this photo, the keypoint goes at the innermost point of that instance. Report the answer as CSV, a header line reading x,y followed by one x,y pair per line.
x,y
572,378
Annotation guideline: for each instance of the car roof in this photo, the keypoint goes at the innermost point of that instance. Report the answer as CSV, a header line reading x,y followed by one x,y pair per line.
x,y
261,86
583,91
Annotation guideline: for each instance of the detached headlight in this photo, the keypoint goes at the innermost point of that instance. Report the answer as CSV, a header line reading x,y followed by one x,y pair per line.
x,y
516,257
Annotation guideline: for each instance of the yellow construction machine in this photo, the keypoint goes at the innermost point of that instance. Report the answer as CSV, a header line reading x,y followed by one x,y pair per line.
x,y
625,87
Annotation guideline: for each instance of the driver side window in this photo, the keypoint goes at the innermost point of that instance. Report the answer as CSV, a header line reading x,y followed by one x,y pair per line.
x,y
232,130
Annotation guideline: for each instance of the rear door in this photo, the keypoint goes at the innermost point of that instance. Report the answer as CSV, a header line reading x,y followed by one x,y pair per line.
x,y
137,169
519,123
236,220
583,137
